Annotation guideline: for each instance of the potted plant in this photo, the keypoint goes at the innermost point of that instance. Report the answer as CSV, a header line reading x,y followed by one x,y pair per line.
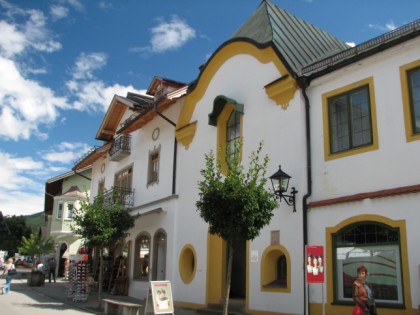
x,y
35,246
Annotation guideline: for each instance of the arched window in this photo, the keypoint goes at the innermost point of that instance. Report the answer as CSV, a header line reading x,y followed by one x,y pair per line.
x,y
142,257
275,272
375,246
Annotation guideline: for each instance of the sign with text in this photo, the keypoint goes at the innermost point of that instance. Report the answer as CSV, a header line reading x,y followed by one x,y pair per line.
x,y
315,264
162,297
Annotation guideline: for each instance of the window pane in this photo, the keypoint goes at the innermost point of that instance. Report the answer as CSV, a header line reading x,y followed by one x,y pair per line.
x,y
361,118
339,124
384,272
70,211
60,210
142,258
414,86
233,131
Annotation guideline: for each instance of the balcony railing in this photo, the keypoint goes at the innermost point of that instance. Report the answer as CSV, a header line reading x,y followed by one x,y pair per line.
x,y
121,147
120,195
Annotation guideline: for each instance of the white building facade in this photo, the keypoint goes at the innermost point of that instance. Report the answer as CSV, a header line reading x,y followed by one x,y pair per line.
x,y
342,121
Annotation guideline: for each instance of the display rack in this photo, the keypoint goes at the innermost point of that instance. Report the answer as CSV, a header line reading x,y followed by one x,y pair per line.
x,y
77,288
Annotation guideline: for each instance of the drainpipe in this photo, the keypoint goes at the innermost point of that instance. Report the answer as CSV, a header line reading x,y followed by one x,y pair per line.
x,y
175,146
303,84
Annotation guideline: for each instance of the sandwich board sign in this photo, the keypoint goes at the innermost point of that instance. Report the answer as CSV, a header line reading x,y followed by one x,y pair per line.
x,y
161,293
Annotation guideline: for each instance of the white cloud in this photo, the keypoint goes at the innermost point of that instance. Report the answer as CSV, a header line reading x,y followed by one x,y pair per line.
x,y
65,152
58,12
12,41
389,26
21,202
171,35
86,64
95,95
25,104
13,170
167,36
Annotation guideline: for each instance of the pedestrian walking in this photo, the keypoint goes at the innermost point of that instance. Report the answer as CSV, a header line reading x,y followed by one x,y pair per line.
x,y
51,269
8,271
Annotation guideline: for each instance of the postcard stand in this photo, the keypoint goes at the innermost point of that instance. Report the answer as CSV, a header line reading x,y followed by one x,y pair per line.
x,y
161,294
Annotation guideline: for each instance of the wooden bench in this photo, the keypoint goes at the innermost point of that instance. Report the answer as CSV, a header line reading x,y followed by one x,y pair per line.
x,y
111,307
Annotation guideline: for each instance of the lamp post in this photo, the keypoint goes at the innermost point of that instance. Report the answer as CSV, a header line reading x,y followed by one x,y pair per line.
x,y
280,182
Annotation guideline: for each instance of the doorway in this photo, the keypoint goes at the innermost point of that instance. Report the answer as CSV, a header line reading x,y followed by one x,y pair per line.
x,y
238,280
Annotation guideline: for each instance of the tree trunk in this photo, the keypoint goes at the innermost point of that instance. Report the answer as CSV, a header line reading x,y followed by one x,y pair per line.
x,y
228,276
101,273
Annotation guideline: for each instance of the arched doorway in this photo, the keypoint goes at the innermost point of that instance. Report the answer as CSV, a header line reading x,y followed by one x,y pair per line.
x,y
159,263
63,259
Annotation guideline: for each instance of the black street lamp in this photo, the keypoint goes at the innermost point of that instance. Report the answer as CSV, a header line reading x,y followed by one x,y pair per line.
x,y
280,181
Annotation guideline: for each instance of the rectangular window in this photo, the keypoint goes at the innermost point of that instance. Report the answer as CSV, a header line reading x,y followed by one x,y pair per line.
x,y
60,210
154,162
123,179
414,91
350,120
69,211
153,168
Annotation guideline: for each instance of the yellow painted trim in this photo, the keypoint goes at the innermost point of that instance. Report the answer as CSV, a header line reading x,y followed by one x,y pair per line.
x,y
409,132
186,134
264,56
375,142
187,275
282,92
340,309
216,256
267,272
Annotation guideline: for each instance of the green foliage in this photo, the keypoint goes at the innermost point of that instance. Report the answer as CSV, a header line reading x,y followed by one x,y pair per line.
x,y
17,227
237,206
35,246
103,222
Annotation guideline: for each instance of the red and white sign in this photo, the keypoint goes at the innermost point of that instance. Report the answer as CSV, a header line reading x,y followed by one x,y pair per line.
x,y
315,264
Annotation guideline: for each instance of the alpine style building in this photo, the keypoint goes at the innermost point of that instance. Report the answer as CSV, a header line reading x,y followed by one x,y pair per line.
x,y
343,122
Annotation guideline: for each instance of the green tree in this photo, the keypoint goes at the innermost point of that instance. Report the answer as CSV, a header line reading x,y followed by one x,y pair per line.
x,y
102,224
236,206
35,246
12,228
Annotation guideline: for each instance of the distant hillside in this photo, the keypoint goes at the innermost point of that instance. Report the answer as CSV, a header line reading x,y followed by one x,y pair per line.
x,y
35,221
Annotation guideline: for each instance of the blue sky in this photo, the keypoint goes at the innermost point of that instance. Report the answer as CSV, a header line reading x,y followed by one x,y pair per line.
x,y
61,62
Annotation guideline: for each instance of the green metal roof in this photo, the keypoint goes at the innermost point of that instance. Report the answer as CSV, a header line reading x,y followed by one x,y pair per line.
x,y
298,43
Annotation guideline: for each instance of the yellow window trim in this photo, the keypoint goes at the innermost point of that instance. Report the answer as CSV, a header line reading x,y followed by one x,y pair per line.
x,y
375,145
329,231
267,273
264,56
409,132
187,255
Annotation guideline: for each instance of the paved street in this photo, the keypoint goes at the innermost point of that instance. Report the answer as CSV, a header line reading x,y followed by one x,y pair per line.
x,y
25,300
51,299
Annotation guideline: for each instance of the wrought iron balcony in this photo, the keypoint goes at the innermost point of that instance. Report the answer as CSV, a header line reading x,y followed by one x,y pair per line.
x,y
121,147
120,195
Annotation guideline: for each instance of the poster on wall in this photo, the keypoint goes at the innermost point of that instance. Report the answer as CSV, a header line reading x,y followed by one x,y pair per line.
x,y
162,297
315,264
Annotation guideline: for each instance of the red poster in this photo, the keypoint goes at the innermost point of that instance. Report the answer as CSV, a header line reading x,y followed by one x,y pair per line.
x,y
315,264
